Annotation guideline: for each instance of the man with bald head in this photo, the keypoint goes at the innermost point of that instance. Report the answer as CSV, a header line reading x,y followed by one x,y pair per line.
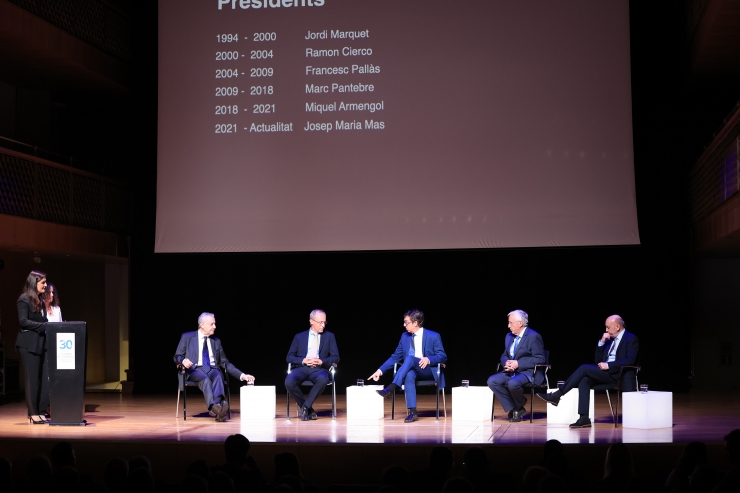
x,y
616,348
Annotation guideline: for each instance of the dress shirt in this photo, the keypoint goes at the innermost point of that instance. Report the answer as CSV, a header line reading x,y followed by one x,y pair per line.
x,y
511,348
418,339
311,340
202,338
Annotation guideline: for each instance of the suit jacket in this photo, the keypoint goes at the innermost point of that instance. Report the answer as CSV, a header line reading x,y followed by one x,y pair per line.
x,y
529,352
431,347
32,336
627,353
188,348
328,352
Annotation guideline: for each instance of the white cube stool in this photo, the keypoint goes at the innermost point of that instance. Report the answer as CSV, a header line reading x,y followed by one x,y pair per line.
x,y
647,410
364,402
471,403
257,402
566,412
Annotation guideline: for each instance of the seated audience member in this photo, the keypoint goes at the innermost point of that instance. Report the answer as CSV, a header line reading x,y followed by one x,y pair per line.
x,y
610,358
201,353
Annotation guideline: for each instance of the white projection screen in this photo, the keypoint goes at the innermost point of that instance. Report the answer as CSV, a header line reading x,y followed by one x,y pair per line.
x,y
328,125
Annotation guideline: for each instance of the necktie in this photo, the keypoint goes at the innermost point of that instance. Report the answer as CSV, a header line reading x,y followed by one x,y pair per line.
x,y
206,358
516,345
412,346
608,353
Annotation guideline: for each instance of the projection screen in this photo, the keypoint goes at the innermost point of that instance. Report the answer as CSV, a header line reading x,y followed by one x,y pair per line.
x,y
327,125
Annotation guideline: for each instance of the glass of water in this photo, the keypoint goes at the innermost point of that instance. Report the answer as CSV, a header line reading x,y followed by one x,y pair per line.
x,y
465,384
360,382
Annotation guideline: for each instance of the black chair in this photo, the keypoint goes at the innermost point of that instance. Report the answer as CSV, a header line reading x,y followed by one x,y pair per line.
x,y
183,382
423,383
542,369
623,384
309,383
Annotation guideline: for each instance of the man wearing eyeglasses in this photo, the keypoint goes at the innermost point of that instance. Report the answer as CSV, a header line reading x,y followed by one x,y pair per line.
x,y
312,353
419,349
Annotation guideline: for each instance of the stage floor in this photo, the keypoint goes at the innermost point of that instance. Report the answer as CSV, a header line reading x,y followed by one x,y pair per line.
x,y
707,417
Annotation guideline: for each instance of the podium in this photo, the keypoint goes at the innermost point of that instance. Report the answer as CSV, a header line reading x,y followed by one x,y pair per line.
x,y
66,350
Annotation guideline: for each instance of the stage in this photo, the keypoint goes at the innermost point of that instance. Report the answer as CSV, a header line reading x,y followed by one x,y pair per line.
x,y
113,417
342,451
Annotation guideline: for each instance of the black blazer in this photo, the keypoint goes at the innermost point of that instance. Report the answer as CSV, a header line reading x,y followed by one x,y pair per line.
x,y
627,354
188,348
328,352
32,336
529,352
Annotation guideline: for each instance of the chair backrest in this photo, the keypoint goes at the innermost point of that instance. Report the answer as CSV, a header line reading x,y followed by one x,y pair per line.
x,y
629,381
541,376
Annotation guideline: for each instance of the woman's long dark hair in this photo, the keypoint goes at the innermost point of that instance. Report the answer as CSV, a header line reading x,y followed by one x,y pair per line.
x,y
50,288
30,289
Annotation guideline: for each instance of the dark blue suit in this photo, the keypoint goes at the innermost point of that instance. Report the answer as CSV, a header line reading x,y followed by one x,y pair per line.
x,y
587,376
409,372
508,385
329,355
210,382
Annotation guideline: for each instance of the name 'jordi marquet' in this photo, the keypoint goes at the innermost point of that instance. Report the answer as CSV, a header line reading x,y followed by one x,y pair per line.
x,y
271,127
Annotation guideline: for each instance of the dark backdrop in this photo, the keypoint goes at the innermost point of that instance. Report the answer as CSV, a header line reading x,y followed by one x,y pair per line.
x,y
262,300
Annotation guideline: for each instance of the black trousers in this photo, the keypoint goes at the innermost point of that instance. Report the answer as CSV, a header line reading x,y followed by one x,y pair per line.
x,y
36,369
585,378
317,375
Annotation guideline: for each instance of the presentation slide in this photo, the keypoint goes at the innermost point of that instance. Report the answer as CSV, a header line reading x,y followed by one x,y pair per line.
x,y
345,125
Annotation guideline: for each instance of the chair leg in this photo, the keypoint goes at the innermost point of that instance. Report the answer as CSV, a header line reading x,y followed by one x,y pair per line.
x,y
393,404
493,406
228,397
334,401
611,409
444,401
177,406
531,405
438,389
616,418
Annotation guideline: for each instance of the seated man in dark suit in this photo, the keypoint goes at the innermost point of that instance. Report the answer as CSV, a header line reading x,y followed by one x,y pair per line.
x,y
201,354
609,358
419,349
312,353
523,349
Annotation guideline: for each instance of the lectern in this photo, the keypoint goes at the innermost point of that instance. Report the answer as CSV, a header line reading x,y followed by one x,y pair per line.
x,y
66,349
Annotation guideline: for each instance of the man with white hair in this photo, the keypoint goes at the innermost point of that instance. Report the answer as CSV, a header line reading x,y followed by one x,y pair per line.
x,y
610,357
523,349
201,354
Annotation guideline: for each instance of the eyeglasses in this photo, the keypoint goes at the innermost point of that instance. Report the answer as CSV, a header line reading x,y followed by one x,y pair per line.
x,y
323,324
405,323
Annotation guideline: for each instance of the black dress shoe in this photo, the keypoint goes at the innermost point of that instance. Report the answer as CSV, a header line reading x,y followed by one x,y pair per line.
x,y
583,422
224,410
550,398
411,417
384,393
312,414
215,410
304,414
516,415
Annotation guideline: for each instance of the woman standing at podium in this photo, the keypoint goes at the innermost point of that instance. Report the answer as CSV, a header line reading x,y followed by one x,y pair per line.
x,y
51,303
31,343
